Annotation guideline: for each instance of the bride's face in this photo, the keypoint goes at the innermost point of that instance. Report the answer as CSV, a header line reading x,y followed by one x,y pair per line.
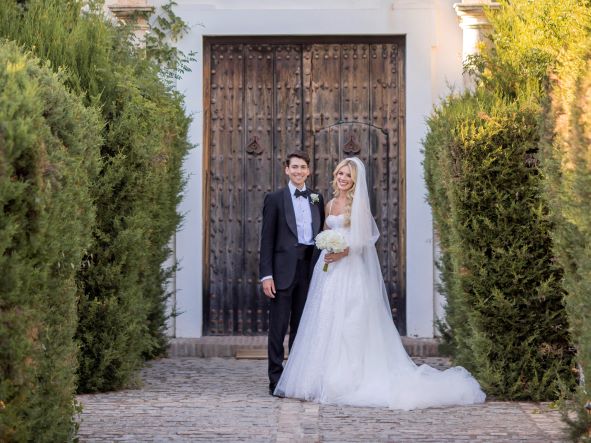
x,y
344,179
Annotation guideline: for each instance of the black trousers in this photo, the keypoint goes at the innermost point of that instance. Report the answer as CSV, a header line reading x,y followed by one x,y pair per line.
x,y
286,310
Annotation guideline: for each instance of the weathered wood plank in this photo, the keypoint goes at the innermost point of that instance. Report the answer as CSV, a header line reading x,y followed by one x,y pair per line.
x,y
258,178
307,108
226,197
288,116
207,131
399,147
354,139
218,111
384,112
325,109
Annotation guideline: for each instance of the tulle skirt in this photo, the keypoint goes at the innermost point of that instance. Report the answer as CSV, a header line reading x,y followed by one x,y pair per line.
x,y
348,351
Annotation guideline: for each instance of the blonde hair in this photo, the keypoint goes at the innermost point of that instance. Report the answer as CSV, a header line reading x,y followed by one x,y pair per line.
x,y
351,191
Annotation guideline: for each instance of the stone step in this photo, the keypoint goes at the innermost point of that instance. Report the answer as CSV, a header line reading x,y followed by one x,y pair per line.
x,y
255,347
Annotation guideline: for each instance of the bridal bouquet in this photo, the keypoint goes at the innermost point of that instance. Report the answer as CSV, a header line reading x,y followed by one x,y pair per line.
x,y
331,241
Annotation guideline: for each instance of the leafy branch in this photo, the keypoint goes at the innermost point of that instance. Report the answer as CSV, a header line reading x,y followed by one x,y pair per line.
x,y
167,28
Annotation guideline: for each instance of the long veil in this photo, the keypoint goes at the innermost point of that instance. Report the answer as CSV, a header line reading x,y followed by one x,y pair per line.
x,y
365,233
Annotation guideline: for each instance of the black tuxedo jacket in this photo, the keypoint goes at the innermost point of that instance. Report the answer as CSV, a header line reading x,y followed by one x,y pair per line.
x,y
279,236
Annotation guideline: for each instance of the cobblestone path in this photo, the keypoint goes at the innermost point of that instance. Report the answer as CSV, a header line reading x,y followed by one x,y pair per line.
x,y
226,400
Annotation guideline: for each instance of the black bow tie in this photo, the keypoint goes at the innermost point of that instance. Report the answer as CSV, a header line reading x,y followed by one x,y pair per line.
x,y
299,193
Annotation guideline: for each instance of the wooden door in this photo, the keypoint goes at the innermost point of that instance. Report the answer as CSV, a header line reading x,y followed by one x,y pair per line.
x,y
265,98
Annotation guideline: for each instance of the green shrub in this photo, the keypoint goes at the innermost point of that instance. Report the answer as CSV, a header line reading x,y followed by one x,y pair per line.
x,y
526,42
123,295
567,168
504,296
495,230
48,159
122,310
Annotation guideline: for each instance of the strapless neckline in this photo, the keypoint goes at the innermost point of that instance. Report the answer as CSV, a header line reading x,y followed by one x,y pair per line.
x,y
335,221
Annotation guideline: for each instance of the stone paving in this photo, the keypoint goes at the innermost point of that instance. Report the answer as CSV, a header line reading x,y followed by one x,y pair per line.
x,y
226,400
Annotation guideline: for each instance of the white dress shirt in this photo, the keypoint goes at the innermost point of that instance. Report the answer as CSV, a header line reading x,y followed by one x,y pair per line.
x,y
303,216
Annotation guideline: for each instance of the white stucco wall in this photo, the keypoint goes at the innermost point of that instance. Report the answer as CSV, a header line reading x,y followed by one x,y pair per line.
x,y
433,63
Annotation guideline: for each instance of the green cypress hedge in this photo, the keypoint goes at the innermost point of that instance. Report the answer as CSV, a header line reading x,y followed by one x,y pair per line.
x,y
504,295
567,168
482,252
48,160
121,309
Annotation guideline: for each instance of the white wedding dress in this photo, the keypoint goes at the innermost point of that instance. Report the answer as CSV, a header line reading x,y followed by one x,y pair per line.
x,y
348,351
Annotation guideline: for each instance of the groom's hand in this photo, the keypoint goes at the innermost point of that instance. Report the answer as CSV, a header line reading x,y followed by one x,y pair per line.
x,y
269,288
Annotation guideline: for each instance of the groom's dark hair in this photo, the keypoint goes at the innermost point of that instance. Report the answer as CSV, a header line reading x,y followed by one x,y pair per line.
x,y
297,154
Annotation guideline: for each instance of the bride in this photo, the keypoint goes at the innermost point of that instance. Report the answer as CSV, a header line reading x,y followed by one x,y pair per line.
x,y
347,350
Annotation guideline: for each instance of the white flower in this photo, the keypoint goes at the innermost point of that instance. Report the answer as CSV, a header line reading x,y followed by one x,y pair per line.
x,y
331,241
315,198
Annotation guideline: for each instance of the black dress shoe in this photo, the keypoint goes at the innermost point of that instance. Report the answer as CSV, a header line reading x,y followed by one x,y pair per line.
x,y
272,387
276,394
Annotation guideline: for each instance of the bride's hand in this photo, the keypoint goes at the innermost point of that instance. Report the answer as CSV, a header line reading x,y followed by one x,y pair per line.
x,y
335,256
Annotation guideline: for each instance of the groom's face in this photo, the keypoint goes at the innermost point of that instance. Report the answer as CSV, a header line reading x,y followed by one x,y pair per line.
x,y
297,171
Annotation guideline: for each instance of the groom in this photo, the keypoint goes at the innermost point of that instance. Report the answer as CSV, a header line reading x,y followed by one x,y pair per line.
x,y
292,217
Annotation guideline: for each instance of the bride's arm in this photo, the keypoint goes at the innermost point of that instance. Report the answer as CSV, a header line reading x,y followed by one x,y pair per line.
x,y
327,213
